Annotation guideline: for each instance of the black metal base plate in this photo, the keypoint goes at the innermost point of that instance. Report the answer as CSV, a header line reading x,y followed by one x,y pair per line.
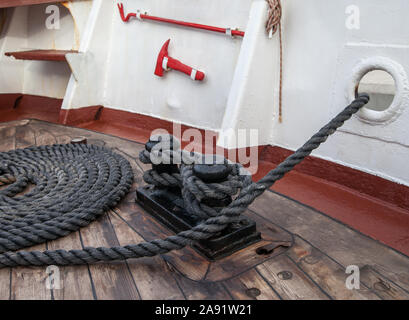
x,y
168,208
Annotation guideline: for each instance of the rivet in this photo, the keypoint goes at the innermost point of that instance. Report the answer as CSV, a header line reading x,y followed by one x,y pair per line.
x,y
311,259
253,292
381,286
285,275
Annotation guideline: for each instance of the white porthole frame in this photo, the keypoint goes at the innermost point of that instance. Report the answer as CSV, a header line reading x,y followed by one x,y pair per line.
x,y
401,89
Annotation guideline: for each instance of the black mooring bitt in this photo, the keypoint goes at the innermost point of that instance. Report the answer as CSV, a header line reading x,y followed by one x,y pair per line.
x,y
168,208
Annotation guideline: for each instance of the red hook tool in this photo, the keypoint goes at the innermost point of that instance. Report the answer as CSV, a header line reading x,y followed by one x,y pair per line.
x,y
142,16
165,63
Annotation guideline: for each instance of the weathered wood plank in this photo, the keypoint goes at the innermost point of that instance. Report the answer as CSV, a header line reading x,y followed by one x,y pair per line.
x,y
152,275
289,281
25,137
342,243
15,123
385,288
250,285
75,280
29,283
111,280
45,137
7,138
326,273
203,290
63,139
239,262
197,266
5,283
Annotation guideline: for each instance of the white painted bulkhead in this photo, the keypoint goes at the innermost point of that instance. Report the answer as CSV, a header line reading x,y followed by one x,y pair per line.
x,y
322,54
25,29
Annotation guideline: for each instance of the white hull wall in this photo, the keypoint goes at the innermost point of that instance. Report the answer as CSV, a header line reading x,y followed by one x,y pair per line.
x,y
320,58
175,97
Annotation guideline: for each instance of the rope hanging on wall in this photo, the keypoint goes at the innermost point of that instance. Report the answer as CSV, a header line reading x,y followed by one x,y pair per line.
x,y
272,26
77,183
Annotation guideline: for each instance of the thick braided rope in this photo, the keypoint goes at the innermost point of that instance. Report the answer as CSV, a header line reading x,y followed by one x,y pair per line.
x,y
194,190
202,231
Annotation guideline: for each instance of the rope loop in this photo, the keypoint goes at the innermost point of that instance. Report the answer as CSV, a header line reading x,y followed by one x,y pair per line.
x,y
194,190
274,16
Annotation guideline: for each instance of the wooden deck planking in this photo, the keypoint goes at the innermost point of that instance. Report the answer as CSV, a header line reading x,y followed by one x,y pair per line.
x,y
251,285
25,137
196,290
29,283
383,287
289,281
316,261
7,138
5,283
345,245
326,273
110,280
152,276
75,280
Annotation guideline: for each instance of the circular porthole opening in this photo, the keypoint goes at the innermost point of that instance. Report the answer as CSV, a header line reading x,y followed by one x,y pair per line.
x,y
381,87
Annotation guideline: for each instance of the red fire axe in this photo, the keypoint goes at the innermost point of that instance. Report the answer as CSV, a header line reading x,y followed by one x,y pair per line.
x,y
165,63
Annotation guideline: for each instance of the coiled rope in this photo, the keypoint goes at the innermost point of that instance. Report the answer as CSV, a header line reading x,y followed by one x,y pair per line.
x,y
46,224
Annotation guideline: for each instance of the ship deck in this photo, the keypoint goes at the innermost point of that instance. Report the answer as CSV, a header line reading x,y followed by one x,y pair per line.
x,y
312,250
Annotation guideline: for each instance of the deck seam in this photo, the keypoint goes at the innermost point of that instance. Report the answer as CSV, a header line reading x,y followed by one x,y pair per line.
x,y
126,262
338,263
387,278
268,283
94,292
317,248
51,290
227,290
309,277
10,277
178,284
164,260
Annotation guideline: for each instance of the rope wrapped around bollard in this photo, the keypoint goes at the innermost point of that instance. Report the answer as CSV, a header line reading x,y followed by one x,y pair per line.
x,y
51,225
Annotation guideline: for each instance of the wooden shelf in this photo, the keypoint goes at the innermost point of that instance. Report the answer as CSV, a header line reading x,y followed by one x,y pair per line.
x,y
18,3
41,55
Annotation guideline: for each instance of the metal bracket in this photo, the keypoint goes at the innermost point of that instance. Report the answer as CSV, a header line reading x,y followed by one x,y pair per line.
x,y
168,208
